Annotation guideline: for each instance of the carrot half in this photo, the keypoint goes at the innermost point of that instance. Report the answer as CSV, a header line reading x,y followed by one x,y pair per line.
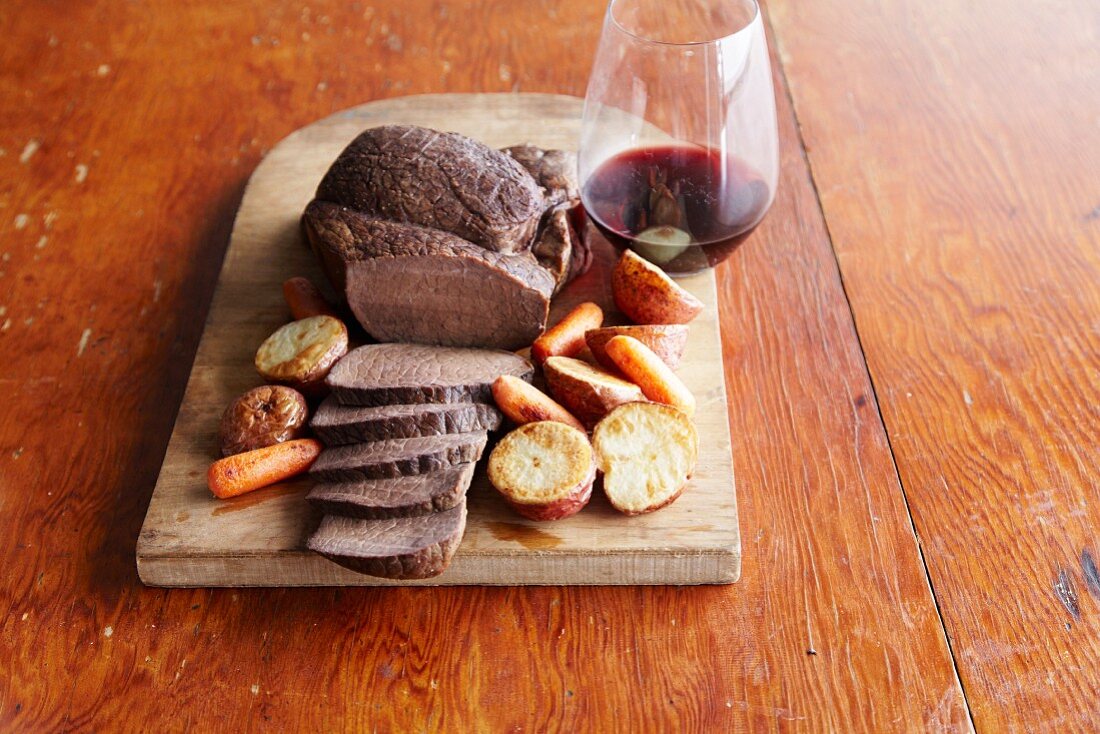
x,y
566,338
525,403
235,475
305,299
648,371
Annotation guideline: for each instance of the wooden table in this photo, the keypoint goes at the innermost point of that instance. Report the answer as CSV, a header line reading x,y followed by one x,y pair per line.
x,y
912,342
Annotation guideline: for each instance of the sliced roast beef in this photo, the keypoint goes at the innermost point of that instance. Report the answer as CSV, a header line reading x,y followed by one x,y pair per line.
x,y
395,548
337,424
582,251
397,457
394,496
444,181
400,374
413,284
556,248
554,170
559,245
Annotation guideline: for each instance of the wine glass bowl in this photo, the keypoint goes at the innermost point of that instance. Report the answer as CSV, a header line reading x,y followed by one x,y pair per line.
x,y
679,149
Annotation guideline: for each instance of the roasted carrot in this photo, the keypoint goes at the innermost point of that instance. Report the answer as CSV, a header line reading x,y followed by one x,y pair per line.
x,y
645,369
525,403
240,473
566,338
305,299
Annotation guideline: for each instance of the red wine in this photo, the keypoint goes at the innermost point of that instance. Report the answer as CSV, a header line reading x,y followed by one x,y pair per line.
x,y
683,207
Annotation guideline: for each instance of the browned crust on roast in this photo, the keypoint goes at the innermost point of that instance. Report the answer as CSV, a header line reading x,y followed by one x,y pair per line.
x,y
353,236
559,244
555,246
440,180
554,170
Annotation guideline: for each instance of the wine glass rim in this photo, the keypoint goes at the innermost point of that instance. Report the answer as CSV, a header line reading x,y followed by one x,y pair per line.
x,y
645,39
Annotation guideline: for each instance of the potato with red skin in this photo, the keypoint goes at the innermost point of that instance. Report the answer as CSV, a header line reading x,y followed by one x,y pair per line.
x,y
524,403
566,338
585,390
544,470
647,295
647,453
646,370
263,416
301,353
668,341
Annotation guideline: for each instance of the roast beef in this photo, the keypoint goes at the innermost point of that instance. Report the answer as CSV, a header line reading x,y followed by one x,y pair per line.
x,y
395,548
554,170
394,496
559,249
558,246
413,284
436,238
400,374
444,181
397,457
337,424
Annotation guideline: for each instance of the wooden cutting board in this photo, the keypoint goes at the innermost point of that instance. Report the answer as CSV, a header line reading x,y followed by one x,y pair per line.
x,y
192,539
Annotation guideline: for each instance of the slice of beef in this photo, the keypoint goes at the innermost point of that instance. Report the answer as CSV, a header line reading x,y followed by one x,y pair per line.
x,y
372,499
554,170
400,374
559,244
397,457
413,284
582,251
440,180
556,248
337,424
396,548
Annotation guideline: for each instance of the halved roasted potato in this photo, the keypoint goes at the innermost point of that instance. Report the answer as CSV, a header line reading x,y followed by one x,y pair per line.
x,y
302,352
647,295
544,470
586,391
647,452
666,340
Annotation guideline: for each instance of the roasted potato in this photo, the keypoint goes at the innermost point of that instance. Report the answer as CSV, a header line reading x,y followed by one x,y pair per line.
x,y
586,391
666,340
647,295
302,352
544,470
647,453
263,416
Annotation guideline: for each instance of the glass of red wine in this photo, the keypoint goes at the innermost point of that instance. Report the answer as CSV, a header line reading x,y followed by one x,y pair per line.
x,y
679,151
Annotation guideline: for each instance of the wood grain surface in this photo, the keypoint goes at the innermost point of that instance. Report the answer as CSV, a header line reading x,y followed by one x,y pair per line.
x,y
956,148
956,137
190,538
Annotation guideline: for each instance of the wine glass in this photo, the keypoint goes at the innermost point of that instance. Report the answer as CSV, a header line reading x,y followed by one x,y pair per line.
x,y
679,150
